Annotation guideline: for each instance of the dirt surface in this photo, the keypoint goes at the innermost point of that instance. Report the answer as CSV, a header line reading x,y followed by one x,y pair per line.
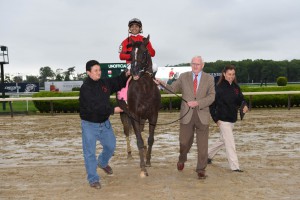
x,y
41,158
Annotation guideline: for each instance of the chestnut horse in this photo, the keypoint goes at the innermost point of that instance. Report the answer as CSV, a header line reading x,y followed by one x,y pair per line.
x,y
143,99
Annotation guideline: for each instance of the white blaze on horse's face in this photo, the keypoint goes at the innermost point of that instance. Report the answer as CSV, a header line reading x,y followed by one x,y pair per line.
x,y
135,56
135,77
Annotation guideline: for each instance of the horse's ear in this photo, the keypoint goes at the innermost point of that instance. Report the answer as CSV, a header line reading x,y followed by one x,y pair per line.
x,y
146,40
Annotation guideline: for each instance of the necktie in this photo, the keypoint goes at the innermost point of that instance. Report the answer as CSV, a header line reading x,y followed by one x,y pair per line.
x,y
195,84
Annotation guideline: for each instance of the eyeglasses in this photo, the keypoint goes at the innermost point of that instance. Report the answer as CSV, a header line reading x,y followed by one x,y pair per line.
x,y
195,64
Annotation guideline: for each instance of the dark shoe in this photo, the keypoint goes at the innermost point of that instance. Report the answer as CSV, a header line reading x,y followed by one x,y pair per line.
x,y
96,185
180,166
209,161
201,175
107,169
237,170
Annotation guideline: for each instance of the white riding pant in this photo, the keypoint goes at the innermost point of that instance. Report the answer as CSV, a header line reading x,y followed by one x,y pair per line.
x,y
226,139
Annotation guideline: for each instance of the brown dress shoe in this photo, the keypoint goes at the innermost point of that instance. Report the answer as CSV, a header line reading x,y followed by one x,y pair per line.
x,y
180,166
96,185
107,169
201,175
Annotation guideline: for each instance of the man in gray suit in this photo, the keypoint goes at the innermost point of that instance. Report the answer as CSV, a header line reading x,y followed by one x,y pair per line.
x,y
198,89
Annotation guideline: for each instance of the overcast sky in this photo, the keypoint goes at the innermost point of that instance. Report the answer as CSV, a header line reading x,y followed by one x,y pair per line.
x,y
67,33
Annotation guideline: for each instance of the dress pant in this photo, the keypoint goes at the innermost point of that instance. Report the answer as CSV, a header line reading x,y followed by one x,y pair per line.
x,y
186,138
226,139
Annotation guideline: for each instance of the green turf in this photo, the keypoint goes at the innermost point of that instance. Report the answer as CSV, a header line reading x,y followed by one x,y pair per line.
x,y
19,106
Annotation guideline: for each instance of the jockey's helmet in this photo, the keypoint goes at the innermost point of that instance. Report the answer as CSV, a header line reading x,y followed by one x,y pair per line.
x,y
135,21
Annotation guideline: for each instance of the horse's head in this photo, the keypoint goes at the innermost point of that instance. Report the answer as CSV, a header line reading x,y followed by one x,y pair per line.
x,y
140,58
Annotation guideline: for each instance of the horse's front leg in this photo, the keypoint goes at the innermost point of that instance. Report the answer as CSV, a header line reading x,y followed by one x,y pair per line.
x,y
140,144
150,144
142,126
127,129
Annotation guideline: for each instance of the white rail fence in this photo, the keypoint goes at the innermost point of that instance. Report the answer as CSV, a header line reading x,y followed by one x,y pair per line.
x,y
51,99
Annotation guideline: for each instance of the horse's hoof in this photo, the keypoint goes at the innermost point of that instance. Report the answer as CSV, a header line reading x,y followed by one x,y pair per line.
x,y
143,174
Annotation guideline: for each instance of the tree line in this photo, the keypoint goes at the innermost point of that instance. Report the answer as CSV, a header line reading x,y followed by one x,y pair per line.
x,y
256,71
247,71
47,74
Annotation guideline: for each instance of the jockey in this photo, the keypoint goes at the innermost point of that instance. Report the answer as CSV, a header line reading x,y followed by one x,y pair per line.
x,y
134,32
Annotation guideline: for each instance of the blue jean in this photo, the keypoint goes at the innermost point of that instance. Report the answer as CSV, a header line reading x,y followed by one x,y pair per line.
x,y
91,132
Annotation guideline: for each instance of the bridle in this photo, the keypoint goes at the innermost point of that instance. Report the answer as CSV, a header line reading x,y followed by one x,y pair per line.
x,y
144,64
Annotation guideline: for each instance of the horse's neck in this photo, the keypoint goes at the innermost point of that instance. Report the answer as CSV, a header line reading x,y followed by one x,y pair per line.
x,y
147,79
150,74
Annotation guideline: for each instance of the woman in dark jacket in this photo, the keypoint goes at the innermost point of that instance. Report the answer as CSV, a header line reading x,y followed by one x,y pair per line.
x,y
224,112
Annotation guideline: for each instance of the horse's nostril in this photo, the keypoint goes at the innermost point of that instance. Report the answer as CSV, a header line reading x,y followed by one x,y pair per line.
x,y
136,78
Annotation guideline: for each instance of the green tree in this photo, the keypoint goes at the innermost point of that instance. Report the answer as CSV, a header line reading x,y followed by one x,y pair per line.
x,y
59,75
241,72
254,70
265,72
68,73
32,79
248,71
81,76
293,71
244,68
18,79
67,76
7,79
46,73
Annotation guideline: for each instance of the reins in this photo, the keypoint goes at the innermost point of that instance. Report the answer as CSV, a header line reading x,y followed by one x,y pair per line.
x,y
131,117
144,71
180,98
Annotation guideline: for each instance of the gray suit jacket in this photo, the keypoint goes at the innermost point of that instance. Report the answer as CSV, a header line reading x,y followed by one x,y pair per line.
x,y
205,95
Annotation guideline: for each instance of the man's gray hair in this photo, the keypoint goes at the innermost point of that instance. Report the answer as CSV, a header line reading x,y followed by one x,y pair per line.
x,y
198,57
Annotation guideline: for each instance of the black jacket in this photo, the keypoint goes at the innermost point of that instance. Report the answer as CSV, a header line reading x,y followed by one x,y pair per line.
x,y
94,97
228,99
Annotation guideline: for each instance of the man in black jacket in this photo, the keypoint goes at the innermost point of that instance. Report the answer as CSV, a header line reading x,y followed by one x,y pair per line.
x,y
95,110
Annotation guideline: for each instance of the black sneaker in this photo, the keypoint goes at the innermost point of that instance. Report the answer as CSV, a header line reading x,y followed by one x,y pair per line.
x,y
107,169
209,161
96,185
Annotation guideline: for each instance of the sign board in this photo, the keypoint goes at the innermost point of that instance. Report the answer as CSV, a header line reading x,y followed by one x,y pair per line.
x,y
112,69
108,70
107,66
21,87
62,86
216,76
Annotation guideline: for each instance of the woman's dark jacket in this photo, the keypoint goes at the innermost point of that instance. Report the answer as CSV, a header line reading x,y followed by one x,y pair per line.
x,y
94,98
228,99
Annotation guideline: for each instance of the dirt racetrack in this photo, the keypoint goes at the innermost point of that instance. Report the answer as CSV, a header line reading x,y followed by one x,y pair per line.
x,y
41,158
